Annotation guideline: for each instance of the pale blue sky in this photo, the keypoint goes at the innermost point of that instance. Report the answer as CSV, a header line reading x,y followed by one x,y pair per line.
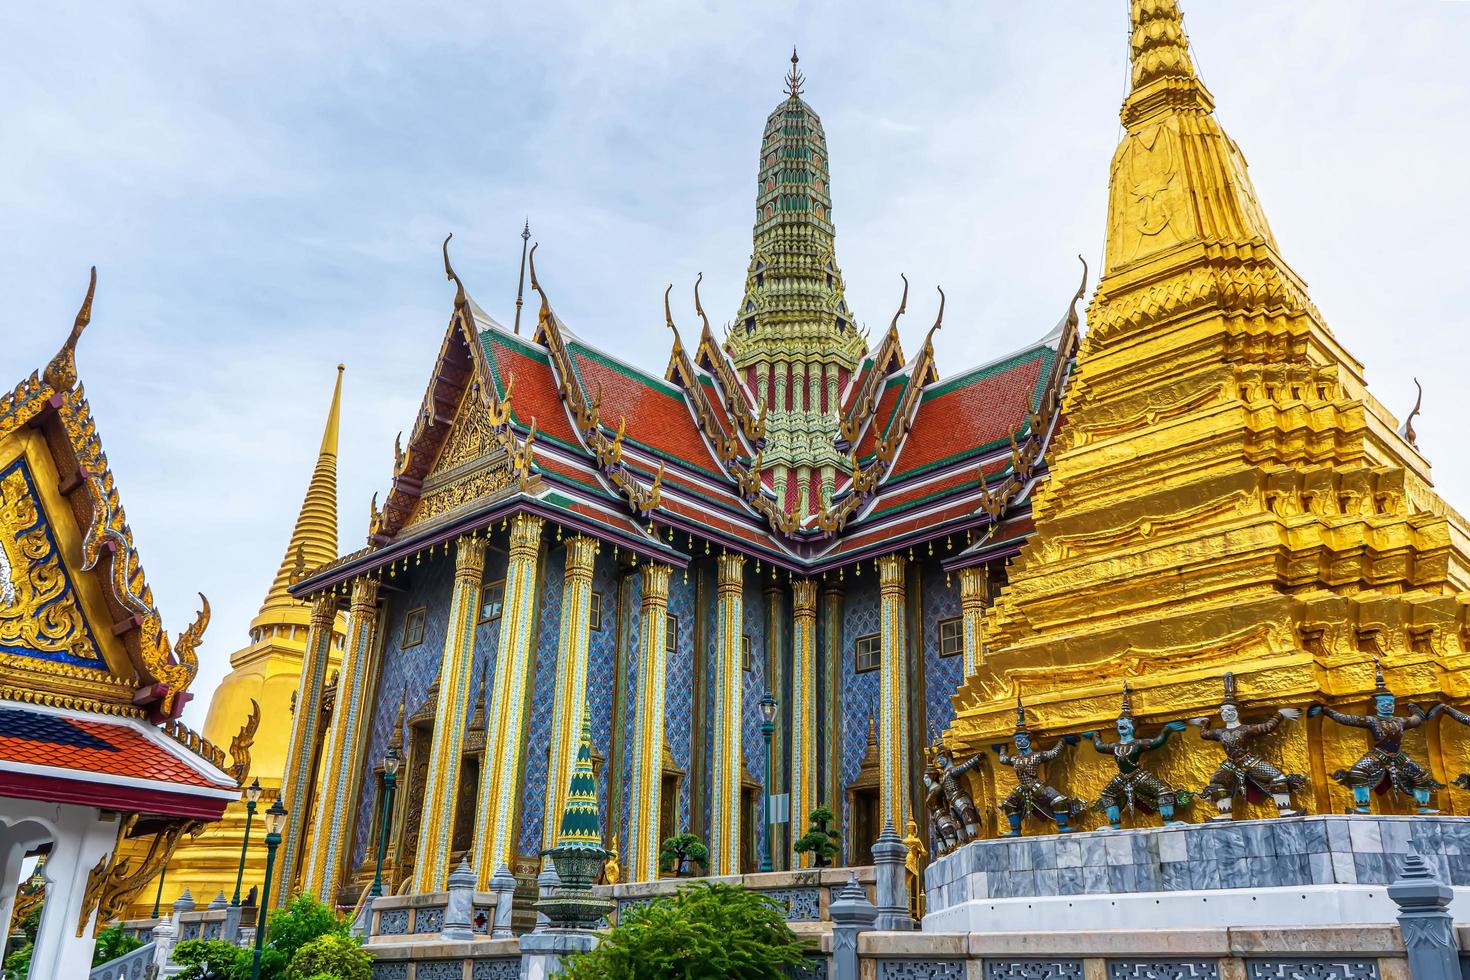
x,y
264,187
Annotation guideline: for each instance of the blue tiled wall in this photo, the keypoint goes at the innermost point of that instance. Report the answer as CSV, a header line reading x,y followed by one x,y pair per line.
x,y
535,758
942,675
679,686
601,660
859,691
754,745
409,672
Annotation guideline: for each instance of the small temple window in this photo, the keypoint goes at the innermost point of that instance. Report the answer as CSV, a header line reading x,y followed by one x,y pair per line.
x,y
671,632
413,627
745,653
492,596
594,612
951,637
867,653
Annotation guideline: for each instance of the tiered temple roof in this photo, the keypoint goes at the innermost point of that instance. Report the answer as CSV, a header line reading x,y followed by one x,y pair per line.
x,y
887,453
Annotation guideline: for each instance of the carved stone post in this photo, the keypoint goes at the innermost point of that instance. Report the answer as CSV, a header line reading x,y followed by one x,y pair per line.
x,y
893,891
851,914
546,884
1424,920
503,885
461,908
165,934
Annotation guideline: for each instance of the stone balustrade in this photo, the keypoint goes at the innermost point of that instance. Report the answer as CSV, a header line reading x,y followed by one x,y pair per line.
x,y
805,894
414,918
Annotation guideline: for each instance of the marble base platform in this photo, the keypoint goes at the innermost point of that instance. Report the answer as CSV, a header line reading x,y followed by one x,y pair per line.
x,y
1314,870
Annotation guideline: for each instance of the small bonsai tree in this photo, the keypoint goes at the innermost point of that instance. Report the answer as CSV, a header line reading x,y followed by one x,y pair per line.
x,y
681,849
706,929
820,842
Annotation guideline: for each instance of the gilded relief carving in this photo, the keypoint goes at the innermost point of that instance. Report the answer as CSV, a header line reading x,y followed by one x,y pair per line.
x,y
39,610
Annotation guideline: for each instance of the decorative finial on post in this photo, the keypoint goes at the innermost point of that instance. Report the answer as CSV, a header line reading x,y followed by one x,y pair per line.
x,y
796,79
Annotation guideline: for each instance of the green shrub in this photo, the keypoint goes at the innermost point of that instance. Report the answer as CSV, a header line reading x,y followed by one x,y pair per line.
x,y
331,955
112,942
18,963
301,921
705,930
212,959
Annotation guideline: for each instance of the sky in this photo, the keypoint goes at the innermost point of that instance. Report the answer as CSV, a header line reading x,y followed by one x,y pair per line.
x,y
264,187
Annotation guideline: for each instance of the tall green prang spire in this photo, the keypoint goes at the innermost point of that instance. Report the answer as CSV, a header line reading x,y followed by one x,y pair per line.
x,y
794,340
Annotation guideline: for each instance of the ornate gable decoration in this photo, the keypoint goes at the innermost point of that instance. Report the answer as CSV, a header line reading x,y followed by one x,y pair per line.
x,y
50,641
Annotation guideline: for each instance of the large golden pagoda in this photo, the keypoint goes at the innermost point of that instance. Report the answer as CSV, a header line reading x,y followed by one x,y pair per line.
x,y
262,684
1225,494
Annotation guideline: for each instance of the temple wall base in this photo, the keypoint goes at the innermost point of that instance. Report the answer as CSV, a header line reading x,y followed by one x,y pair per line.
x,y
1314,870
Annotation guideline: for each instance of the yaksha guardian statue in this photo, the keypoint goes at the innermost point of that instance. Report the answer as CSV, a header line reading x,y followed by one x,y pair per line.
x,y
1244,772
946,831
1032,794
1135,786
947,773
1386,765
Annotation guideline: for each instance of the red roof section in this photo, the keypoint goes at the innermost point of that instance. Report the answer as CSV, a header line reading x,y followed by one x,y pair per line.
x,y
654,417
124,752
887,402
966,417
535,394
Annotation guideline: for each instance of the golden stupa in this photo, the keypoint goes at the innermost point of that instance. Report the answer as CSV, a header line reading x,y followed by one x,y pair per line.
x,y
1225,496
262,682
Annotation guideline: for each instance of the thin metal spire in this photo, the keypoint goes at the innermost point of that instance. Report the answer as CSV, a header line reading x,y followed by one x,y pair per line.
x,y
796,79
521,283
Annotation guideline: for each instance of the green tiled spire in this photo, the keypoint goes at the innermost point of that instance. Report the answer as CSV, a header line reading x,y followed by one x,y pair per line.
x,y
579,823
794,340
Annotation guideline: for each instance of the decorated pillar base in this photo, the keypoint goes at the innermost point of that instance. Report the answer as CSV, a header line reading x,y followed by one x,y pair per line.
x,y
543,953
1295,871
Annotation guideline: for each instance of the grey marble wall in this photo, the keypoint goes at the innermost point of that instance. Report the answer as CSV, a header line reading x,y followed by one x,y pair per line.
x,y
1315,850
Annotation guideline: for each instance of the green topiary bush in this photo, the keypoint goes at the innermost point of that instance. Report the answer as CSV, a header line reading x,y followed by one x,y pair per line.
x,y
705,930
331,955
213,959
112,942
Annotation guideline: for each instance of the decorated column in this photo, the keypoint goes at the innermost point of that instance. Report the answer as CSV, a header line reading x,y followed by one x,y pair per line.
x,y
500,773
342,757
441,785
296,784
571,677
649,743
893,721
973,589
804,693
729,689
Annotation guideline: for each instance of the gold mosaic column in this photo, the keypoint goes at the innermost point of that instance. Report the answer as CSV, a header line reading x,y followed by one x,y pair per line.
x,y
832,688
500,773
893,721
296,785
803,705
648,748
973,589
571,678
441,786
729,707
342,756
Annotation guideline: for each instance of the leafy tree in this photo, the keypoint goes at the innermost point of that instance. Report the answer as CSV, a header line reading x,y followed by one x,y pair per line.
x,y
684,847
331,955
18,963
213,959
704,930
112,942
823,844
288,932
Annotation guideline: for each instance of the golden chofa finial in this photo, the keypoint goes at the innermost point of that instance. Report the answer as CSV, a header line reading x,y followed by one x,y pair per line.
x,y
61,373
796,79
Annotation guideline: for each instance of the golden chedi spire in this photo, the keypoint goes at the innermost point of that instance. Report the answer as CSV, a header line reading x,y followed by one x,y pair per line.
x,y
1226,494
267,670
314,538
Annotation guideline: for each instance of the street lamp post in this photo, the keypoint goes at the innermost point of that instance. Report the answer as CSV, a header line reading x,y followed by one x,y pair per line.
x,y
768,725
158,895
252,797
385,813
275,818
